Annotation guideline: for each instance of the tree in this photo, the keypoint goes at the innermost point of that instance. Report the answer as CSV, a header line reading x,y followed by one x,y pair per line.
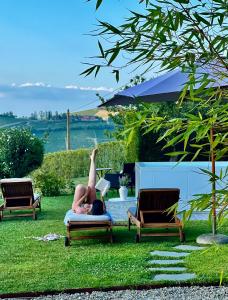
x,y
184,34
20,152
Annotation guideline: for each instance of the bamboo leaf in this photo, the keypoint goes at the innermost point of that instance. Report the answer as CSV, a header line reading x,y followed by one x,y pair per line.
x,y
196,154
176,153
98,3
101,49
200,19
89,71
117,74
114,55
110,27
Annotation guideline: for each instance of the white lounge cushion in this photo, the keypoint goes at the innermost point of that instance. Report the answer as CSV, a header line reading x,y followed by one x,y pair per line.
x,y
71,216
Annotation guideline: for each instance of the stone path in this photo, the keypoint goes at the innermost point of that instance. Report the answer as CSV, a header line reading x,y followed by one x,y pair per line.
x,y
169,254
173,271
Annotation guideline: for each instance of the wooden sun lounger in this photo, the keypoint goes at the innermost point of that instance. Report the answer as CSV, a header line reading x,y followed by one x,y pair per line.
x,y
88,225
80,222
151,212
18,196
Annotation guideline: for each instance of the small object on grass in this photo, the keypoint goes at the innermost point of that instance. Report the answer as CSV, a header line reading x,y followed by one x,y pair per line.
x,y
48,237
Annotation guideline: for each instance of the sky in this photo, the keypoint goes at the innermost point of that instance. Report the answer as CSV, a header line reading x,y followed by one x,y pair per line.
x,y
42,46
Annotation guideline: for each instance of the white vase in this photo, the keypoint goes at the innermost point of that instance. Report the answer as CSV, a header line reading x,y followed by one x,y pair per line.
x,y
123,192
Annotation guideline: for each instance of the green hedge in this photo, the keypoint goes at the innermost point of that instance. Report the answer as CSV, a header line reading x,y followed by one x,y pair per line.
x,y
75,163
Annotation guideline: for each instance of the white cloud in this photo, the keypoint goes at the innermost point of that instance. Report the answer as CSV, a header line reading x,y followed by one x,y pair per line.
x,y
89,88
31,84
75,87
2,95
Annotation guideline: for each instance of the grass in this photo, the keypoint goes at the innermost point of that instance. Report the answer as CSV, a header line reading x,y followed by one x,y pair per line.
x,y
28,265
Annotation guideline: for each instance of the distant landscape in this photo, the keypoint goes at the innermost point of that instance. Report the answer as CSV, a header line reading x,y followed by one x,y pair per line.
x,y
86,129
25,98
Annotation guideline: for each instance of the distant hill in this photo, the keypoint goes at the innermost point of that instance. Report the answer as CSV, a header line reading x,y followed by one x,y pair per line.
x,y
88,112
83,134
99,112
11,122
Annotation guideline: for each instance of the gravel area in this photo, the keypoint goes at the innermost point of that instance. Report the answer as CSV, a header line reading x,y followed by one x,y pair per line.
x,y
169,293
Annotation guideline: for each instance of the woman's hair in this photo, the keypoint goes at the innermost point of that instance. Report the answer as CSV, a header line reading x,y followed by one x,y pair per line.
x,y
98,208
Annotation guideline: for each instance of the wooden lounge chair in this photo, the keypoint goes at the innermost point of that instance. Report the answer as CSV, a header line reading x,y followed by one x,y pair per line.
x,y
81,222
151,213
18,195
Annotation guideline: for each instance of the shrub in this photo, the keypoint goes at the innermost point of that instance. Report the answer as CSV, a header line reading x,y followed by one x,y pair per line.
x,y
48,183
75,163
20,152
67,164
112,155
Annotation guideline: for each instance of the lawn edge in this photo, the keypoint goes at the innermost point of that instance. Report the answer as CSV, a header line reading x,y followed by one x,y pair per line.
x,y
105,289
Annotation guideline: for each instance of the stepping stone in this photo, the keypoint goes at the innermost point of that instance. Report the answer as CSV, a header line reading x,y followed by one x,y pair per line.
x,y
168,269
166,261
174,277
170,254
188,247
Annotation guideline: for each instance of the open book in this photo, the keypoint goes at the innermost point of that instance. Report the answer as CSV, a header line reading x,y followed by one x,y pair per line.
x,y
103,186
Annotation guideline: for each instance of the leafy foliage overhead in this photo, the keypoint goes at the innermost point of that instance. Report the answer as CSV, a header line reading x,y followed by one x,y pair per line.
x,y
175,33
184,34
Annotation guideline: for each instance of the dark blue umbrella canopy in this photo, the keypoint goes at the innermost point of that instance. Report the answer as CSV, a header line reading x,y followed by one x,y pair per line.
x,y
166,87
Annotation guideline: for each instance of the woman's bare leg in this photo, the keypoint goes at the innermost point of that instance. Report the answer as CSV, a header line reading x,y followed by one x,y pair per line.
x,y
79,194
92,177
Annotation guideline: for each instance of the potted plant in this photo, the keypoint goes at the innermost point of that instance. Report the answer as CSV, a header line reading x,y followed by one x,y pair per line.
x,y
123,191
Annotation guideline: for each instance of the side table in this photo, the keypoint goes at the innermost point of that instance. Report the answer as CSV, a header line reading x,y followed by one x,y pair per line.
x,y
118,208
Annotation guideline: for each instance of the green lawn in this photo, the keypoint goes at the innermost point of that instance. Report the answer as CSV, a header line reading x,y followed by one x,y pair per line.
x,y
30,265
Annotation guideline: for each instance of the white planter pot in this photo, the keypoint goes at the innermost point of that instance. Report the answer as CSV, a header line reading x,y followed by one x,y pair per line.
x,y
123,191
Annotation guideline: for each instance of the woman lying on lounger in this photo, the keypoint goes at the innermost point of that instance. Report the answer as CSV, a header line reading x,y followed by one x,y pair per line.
x,y
85,201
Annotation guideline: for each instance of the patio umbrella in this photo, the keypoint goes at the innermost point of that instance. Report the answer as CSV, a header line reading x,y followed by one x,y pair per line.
x,y
164,88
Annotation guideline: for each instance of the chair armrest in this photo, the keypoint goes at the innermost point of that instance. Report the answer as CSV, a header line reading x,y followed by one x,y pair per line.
x,y
36,196
134,219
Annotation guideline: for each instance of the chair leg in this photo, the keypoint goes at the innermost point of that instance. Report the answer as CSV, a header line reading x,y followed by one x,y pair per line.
x,y
129,223
182,235
68,236
34,214
111,236
138,235
66,241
